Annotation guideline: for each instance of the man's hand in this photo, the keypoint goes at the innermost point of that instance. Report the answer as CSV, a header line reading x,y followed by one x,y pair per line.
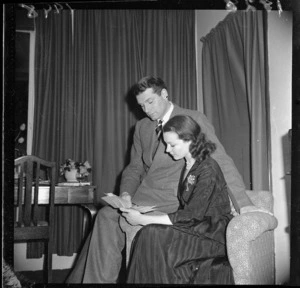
x,y
127,198
253,208
132,216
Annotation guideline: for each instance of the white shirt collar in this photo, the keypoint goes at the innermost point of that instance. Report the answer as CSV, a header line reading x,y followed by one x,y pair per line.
x,y
166,117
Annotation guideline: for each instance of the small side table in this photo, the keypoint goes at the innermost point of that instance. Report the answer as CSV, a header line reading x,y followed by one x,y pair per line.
x,y
77,195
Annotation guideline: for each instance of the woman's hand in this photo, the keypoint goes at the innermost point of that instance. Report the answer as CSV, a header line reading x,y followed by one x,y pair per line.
x,y
132,216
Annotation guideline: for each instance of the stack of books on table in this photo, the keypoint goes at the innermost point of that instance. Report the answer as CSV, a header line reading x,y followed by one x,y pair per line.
x,y
74,183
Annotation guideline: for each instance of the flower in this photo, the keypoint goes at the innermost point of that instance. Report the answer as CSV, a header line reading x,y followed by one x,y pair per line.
x,y
82,168
190,181
21,140
20,143
23,127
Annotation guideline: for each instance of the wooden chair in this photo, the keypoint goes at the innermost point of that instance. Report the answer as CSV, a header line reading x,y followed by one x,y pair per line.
x,y
28,226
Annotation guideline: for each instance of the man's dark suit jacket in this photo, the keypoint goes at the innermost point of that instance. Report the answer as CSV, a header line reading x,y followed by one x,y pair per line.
x,y
154,181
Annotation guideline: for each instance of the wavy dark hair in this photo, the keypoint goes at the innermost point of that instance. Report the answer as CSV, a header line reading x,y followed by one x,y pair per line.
x,y
155,83
188,129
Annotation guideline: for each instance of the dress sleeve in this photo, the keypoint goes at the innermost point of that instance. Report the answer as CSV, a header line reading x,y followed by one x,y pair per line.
x,y
132,174
198,199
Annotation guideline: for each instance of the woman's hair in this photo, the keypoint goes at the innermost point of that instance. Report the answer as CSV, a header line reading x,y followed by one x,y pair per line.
x,y
155,83
188,129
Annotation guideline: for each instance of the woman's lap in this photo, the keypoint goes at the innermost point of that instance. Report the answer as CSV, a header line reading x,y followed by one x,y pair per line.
x,y
164,254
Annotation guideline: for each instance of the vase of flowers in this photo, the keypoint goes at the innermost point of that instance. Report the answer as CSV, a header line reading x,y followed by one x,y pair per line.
x,y
74,170
71,176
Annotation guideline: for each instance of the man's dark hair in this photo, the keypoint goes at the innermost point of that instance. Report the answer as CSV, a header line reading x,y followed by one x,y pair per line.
x,y
155,83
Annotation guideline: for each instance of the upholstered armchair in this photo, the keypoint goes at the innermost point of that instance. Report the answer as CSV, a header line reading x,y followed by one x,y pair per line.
x,y
250,242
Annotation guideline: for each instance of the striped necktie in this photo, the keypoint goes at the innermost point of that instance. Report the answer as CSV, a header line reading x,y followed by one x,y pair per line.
x,y
158,128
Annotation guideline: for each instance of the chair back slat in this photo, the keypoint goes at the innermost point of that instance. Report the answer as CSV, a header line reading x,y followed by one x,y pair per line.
x,y
28,193
20,194
36,193
51,199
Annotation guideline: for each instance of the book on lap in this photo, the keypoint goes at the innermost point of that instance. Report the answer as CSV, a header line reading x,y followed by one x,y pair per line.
x,y
118,202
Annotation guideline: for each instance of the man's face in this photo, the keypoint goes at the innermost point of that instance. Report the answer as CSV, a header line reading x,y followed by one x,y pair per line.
x,y
154,105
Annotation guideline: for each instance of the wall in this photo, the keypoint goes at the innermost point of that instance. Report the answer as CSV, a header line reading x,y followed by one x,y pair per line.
x,y
21,263
280,64
280,75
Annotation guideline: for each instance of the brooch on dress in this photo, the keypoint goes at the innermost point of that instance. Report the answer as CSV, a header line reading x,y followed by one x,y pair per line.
x,y
190,181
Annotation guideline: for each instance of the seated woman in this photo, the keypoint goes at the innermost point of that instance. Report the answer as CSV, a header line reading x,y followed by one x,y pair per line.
x,y
187,246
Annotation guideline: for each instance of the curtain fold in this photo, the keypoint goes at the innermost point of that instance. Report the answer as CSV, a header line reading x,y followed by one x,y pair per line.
x,y
235,78
118,66
83,106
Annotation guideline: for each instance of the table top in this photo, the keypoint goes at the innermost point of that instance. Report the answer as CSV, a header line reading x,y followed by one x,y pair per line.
x,y
65,194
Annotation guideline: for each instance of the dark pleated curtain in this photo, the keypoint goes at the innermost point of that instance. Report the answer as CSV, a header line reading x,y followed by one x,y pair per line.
x,y
132,44
83,76
168,50
63,125
235,88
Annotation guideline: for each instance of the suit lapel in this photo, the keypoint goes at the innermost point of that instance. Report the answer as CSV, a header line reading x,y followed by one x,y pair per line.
x,y
152,140
176,111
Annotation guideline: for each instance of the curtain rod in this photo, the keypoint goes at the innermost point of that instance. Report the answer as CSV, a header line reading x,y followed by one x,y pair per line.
x,y
55,6
230,5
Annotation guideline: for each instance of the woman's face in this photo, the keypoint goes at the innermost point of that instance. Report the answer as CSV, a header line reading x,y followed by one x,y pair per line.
x,y
176,147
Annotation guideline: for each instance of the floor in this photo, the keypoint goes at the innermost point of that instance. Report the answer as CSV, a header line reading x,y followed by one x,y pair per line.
x,y
28,278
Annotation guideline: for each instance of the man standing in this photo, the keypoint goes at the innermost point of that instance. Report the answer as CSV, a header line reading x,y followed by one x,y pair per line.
x,y
150,179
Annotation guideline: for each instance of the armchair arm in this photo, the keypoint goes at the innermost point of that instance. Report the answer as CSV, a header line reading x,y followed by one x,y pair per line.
x,y
250,225
250,247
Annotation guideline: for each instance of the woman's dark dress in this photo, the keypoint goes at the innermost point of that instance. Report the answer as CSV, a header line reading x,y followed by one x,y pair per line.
x,y
193,249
